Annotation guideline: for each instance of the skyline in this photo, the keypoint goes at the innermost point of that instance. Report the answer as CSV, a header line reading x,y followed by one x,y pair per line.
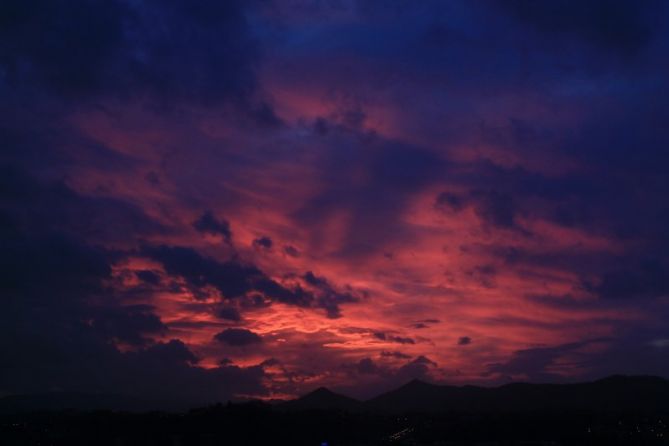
x,y
212,200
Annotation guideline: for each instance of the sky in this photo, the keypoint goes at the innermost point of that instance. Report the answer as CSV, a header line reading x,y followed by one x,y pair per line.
x,y
206,200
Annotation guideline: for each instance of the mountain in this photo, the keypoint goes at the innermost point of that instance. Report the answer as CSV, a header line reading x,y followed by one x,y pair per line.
x,y
419,396
323,399
618,393
613,394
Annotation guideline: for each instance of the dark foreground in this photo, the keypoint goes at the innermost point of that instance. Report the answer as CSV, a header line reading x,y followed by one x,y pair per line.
x,y
625,411
257,424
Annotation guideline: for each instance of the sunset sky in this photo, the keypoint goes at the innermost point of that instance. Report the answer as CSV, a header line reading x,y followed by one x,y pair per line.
x,y
206,200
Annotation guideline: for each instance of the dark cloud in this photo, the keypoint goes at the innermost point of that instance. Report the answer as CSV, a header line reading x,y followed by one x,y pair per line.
x,y
291,251
392,338
327,296
150,277
398,355
621,25
263,243
129,324
648,280
232,279
229,313
534,363
314,280
64,317
483,274
236,280
493,207
171,51
207,223
238,337
394,172
464,340
528,114
450,201
61,322
419,368
367,366
31,201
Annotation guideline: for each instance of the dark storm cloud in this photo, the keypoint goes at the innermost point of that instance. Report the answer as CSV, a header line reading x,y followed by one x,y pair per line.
x,y
392,338
464,340
418,368
263,243
367,366
493,207
535,362
621,25
174,51
236,280
232,279
62,315
148,276
229,313
496,208
291,251
393,171
207,223
104,370
32,201
635,352
398,355
424,323
60,319
238,337
328,297
538,81
370,377
129,324
647,280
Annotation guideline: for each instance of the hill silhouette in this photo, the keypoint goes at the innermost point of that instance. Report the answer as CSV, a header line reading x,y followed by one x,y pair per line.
x,y
323,399
615,411
616,393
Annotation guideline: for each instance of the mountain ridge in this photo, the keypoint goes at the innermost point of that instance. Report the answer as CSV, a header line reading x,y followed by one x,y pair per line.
x,y
617,392
613,393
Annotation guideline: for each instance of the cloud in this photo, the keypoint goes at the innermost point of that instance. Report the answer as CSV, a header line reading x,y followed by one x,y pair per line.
x,y
207,223
648,280
488,148
367,366
619,25
419,368
238,337
398,355
493,207
264,243
464,340
327,296
236,280
30,201
392,338
129,324
148,276
119,50
291,251
535,363
229,313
